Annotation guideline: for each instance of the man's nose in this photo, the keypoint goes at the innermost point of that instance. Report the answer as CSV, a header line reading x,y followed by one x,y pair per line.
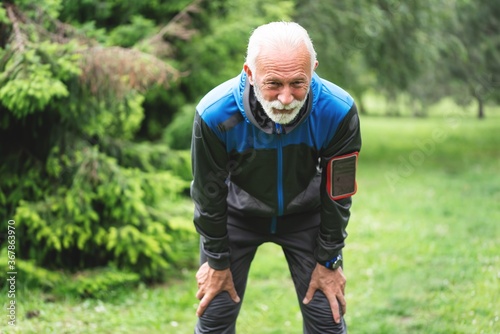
x,y
285,96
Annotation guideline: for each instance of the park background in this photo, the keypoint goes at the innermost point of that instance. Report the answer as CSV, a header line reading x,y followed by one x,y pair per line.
x,y
97,100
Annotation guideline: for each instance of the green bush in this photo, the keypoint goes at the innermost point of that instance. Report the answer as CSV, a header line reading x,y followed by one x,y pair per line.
x,y
99,283
31,275
104,215
178,133
85,192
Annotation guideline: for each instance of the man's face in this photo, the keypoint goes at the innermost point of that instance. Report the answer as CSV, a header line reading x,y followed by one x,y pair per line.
x,y
276,110
281,83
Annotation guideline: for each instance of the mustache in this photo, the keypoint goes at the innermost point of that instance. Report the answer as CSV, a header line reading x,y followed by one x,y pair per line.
x,y
278,105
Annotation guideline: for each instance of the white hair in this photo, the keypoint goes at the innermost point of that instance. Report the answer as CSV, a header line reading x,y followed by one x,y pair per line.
x,y
278,36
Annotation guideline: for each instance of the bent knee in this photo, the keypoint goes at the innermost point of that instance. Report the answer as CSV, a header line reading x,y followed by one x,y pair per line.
x,y
318,316
220,315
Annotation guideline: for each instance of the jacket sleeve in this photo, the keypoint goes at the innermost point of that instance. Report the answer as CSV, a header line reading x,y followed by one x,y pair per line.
x,y
335,213
209,192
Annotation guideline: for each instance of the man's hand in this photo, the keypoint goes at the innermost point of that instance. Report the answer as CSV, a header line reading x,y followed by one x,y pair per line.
x,y
332,283
211,282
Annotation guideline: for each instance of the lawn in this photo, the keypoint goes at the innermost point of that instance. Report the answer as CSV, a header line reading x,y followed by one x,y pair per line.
x,y
422,256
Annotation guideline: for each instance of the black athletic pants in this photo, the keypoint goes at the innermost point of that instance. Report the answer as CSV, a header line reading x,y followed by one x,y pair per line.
x,y
298,245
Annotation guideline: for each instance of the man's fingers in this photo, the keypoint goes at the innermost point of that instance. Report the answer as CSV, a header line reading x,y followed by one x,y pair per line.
x,y
203,304
309,295
200,294
234,295
207,298
339,307
343,305
334,305
210,283
200,311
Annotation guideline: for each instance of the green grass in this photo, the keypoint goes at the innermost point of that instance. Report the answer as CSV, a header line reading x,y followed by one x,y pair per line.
x,y
422,256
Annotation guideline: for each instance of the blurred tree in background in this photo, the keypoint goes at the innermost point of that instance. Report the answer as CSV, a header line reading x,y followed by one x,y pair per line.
x,y
97,100
471,53
422,48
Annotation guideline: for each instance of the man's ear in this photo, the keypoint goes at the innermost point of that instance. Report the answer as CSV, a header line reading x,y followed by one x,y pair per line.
x,y
316,65
249,73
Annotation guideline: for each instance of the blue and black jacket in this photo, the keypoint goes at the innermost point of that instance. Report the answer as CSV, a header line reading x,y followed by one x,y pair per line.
x,y
248,168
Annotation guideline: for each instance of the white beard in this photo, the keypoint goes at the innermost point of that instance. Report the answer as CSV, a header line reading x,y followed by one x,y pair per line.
x,y
270,106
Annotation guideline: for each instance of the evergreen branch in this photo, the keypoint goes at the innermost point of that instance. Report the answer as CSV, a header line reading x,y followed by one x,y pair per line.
x,y
64,32
19,38
105,70
177,27
119,70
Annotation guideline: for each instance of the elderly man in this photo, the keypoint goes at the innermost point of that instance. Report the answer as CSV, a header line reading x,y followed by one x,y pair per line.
x,y
274,156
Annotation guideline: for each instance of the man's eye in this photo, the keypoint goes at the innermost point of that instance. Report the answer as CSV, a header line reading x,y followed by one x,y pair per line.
x,y
273,84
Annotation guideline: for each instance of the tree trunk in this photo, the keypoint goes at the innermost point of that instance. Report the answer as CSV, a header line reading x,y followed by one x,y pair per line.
x,y
362,107
480,113
393,105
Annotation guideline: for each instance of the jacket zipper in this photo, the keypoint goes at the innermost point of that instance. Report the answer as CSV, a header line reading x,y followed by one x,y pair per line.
x,y
280,179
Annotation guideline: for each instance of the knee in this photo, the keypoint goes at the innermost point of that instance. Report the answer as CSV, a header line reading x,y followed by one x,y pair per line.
x,y
318,316
220,315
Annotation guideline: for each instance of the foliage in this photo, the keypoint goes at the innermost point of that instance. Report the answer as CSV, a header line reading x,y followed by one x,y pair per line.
x,y
33,275
104,214
127,35
471,52
33,71
425,49
178,133
90,283
116,13
98,283
83,191
148,156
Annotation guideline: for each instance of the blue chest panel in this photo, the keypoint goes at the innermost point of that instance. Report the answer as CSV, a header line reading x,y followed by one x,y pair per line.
x,y
329,107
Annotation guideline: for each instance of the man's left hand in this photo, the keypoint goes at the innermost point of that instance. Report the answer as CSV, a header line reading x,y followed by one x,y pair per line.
x,y
332,283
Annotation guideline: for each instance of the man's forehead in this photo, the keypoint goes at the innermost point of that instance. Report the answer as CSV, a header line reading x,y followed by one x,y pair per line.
x,y
272,76
284,52
286,63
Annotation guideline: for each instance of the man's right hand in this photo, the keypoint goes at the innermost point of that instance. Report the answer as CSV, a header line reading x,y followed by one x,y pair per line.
x,y
211,282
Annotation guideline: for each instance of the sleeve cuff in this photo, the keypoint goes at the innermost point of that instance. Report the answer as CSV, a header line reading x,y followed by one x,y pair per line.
x,y
325,251
218,261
